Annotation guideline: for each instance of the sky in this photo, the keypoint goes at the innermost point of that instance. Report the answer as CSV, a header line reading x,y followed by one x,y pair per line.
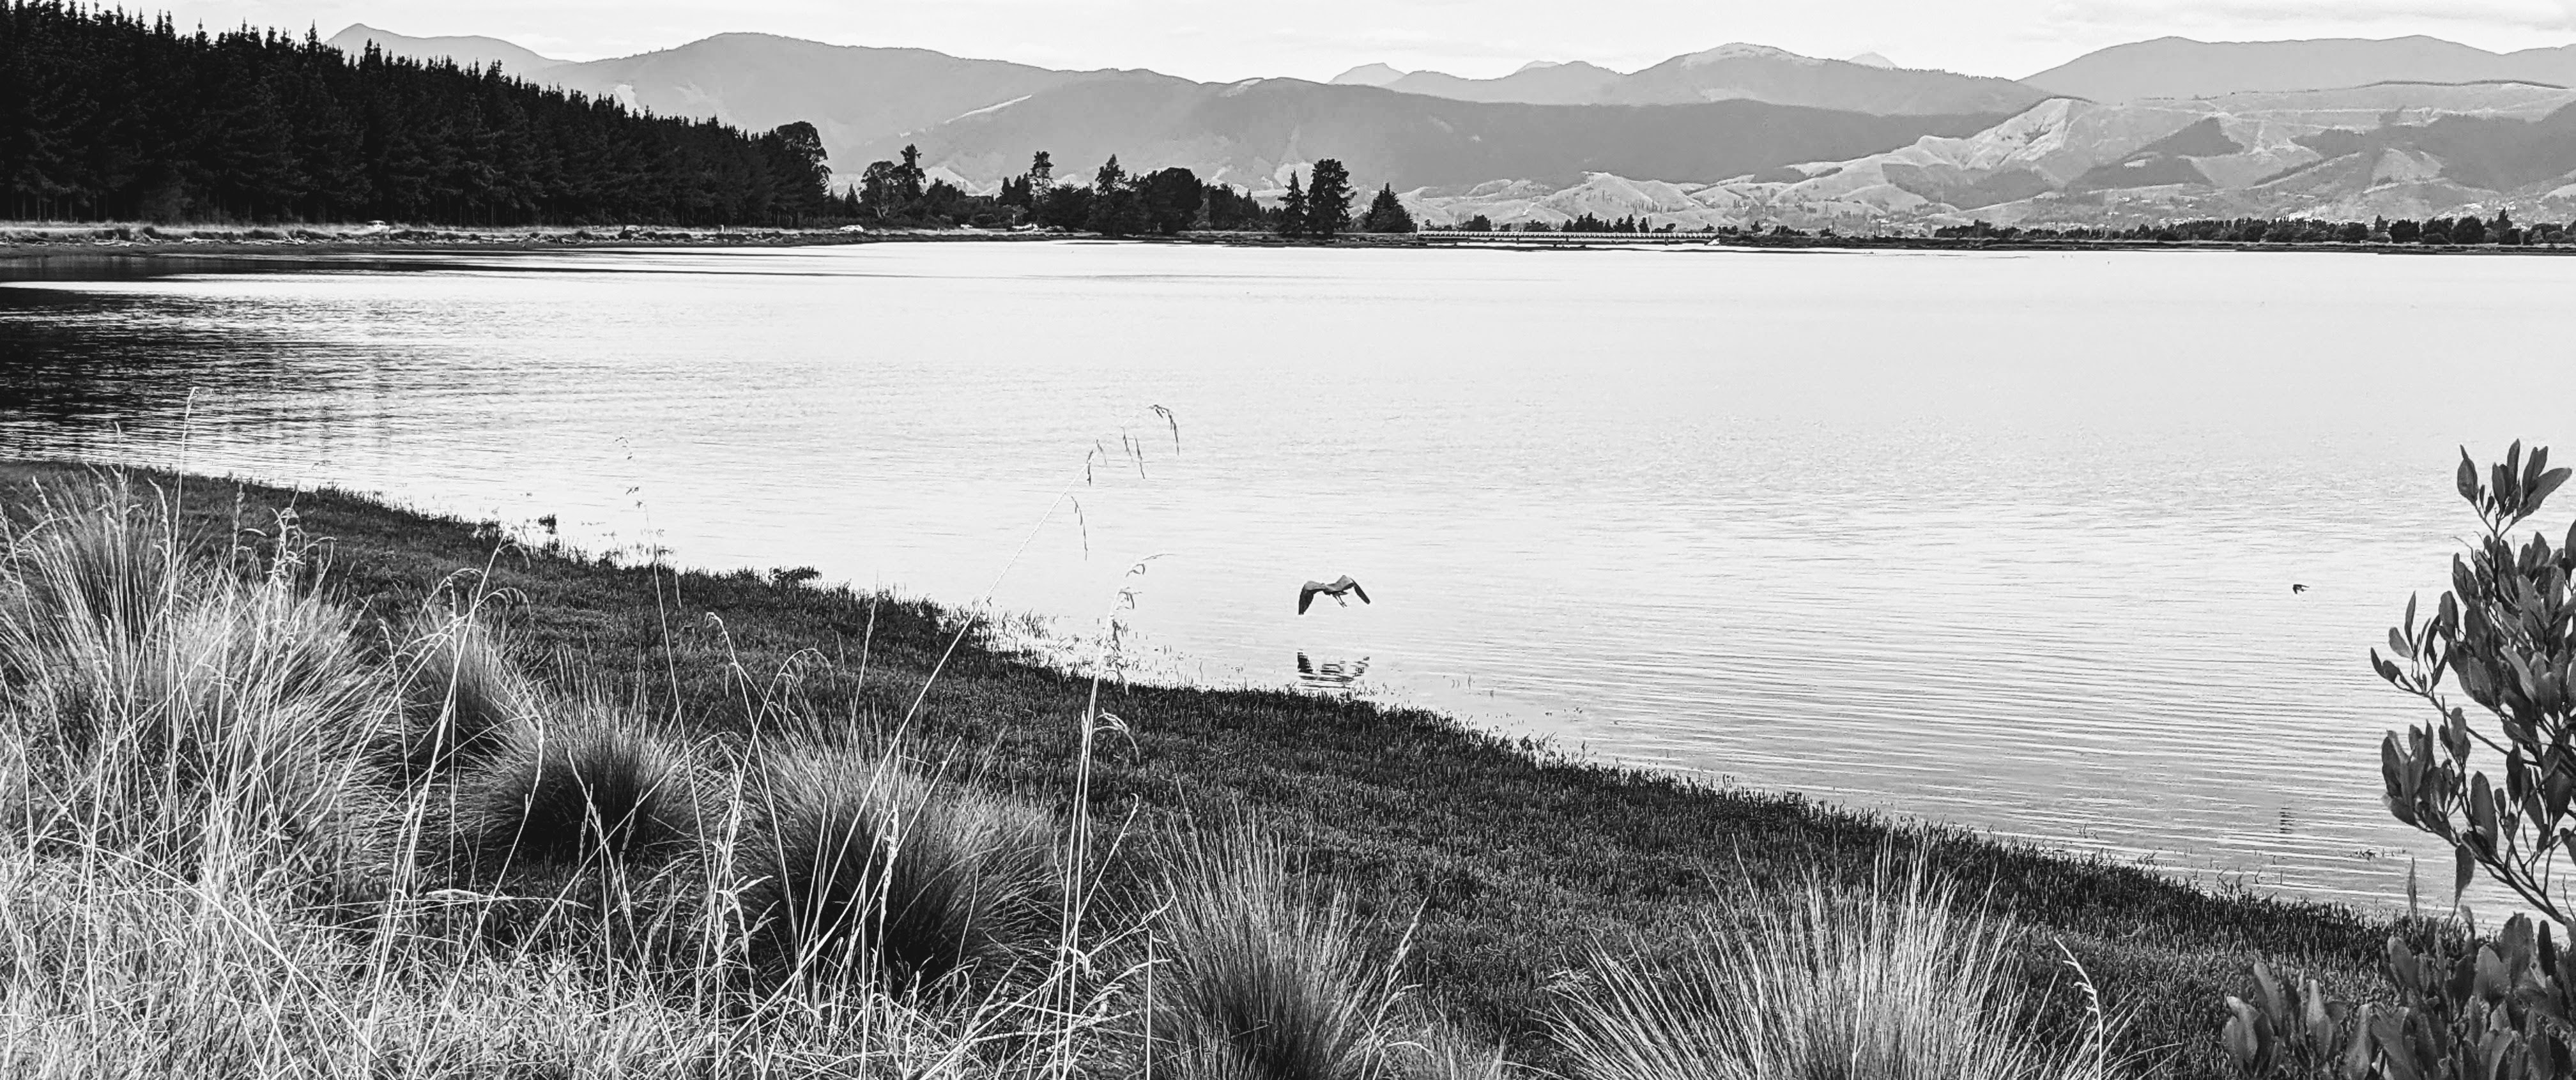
x,y
1216,41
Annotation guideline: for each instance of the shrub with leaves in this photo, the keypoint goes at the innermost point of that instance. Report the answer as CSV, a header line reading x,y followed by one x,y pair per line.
x,y
2505,635
2464,1009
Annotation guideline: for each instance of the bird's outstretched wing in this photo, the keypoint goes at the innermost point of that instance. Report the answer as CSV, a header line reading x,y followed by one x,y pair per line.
x,y
1306,595
1354,587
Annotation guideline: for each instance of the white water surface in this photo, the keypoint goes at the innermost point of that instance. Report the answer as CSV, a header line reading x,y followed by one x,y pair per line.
x,y
2002,540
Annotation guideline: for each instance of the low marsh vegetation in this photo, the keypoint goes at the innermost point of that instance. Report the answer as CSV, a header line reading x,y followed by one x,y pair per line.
x,y
710,845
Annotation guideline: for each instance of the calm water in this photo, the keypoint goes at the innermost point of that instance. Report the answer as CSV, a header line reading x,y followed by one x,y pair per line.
x,y
1998,540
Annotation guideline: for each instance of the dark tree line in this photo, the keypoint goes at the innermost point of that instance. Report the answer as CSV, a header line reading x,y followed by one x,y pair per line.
x,y
2471,229
1164,202
106,116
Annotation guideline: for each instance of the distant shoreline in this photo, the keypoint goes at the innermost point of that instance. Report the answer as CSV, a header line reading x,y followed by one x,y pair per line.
x,y
32,242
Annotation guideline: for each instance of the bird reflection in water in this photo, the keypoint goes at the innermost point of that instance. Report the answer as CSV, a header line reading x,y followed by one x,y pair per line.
x,y
1342,675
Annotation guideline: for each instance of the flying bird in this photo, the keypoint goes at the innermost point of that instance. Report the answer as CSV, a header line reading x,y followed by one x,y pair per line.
x,y
1306,593
2295,587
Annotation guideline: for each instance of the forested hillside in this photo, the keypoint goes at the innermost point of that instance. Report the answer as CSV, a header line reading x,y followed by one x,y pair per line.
x,y
106,116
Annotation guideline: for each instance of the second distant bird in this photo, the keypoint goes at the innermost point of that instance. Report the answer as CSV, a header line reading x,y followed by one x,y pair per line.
x,y
1306,594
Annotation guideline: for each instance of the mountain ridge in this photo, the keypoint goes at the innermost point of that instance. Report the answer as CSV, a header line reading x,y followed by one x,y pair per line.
x,y
2184,68
466,50
2425,125
1736,70
1248,133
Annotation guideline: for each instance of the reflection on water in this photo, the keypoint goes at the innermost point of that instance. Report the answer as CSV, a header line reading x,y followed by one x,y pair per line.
x,y
1996,541
1337,675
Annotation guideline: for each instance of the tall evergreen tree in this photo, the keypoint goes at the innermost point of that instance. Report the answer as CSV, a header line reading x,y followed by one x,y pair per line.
x,y
799,176
911,183
1115,209
1292,210
1328,200
1387,213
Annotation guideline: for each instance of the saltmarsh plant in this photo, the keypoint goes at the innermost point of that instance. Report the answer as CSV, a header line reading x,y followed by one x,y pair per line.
x,y
1900,982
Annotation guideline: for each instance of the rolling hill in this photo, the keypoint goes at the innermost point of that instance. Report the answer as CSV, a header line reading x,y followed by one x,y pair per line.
x,y
466,51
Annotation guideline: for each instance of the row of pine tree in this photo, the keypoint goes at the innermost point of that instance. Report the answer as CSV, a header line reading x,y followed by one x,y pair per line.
x,y
1165,202
104,116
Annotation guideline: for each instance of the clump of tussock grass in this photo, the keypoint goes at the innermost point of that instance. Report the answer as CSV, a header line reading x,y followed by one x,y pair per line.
x,y
181,737
862,863
593,785
460,690
1265,975
147,690
111,563
1900,982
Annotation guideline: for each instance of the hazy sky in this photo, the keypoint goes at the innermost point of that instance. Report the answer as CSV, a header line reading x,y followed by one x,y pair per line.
x,y
1216,40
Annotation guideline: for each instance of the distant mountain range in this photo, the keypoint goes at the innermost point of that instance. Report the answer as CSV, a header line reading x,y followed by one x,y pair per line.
x,y
2399,150
1250,133
1727,73
1736,134
2182,68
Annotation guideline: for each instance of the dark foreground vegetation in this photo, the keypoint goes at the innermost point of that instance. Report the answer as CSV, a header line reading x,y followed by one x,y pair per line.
x,y
574,787
107,117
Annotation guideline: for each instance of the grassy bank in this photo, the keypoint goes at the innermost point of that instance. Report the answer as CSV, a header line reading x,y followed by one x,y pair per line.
x,y
1511,877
